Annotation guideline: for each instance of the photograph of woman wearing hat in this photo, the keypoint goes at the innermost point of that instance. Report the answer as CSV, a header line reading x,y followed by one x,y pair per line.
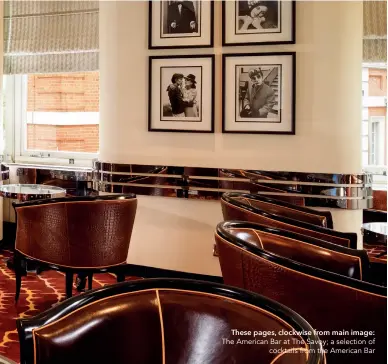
x,y
190,96
257,16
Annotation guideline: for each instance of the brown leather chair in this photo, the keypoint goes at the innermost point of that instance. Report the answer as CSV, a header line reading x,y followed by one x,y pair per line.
x,y
279,214
74,234
305,249
156,321
331,302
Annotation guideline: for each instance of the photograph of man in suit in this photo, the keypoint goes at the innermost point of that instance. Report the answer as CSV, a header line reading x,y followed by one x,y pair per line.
x,y
175,95
259,98
181,17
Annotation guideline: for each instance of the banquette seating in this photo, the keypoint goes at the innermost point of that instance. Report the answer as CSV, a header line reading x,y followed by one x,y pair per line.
x,y
74,234
168,321
319,224
324,286
275,213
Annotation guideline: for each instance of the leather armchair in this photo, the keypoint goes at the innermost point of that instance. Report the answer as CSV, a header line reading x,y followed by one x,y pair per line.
x,y
75,234
304,249
329,301
278,214
167,321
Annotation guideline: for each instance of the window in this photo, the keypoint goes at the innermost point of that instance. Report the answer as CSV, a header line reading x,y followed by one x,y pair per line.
x,y
54,115
374,118
377,141
51,83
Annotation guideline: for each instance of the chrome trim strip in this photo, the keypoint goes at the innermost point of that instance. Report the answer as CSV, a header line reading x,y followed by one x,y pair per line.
x,y
4,173
346,191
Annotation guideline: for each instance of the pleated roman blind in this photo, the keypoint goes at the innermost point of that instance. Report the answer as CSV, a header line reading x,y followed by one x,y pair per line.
x,y
50,36
375,32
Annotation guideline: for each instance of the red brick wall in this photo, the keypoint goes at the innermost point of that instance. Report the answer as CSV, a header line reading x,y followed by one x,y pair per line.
x,y
377,82
72,92
74,138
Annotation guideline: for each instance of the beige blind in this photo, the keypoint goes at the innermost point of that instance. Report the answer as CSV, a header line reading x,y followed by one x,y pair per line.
x,y
375,31
50,36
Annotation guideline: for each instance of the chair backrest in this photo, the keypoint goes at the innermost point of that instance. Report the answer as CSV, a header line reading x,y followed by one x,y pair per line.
x,y
77,232
304,249
379,200
234,207
332,303
168,321
282,208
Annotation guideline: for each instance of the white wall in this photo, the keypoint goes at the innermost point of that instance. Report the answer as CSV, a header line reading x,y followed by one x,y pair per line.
x,y
328,120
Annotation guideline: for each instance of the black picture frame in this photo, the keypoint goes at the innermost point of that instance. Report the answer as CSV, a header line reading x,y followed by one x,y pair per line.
x,y
243,42
181,44
211,98
291,103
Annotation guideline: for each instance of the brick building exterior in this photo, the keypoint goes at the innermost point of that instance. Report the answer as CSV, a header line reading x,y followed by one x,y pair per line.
x,y
374,116
67,100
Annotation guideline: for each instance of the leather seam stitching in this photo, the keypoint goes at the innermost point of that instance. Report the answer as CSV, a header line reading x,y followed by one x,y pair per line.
x,y
161,327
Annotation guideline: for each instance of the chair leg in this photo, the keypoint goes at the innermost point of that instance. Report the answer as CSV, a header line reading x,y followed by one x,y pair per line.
x,y
17,261
90,281
69,284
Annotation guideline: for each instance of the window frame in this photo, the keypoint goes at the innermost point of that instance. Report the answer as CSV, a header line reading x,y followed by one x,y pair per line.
x,y
15,115
376,140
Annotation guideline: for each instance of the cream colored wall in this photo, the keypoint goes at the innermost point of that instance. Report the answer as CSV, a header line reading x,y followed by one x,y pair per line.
x,y
328,123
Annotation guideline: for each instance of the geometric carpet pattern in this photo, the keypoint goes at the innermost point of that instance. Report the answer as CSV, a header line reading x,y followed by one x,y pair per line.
x,y
38,293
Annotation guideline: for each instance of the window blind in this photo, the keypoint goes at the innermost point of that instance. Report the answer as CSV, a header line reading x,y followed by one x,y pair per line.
x,y
375,32
50,36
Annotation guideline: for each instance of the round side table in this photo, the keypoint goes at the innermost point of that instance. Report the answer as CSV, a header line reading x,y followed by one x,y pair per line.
x,y
22,193
375,233
27,192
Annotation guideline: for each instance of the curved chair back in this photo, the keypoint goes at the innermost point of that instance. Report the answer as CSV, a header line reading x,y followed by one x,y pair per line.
x,y
168,321
76,232
273,213
332,303
304,249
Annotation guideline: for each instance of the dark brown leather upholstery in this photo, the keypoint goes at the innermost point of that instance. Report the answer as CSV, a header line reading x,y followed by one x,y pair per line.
x,y
327,300
235,208
380,200
167,321
82,234
79,233
306,250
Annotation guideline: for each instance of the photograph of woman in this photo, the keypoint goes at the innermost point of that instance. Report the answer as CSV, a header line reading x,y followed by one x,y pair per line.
x,y
190,96
254,16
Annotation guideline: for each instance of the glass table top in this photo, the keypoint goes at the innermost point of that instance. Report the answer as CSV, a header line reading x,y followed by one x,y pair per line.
x,y
376,227
31,191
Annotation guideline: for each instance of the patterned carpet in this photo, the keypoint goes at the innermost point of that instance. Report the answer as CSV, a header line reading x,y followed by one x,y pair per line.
x,y
38,293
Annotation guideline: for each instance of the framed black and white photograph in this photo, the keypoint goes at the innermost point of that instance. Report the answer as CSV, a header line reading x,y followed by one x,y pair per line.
x,y
250,22
180,24
181,93
259,93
